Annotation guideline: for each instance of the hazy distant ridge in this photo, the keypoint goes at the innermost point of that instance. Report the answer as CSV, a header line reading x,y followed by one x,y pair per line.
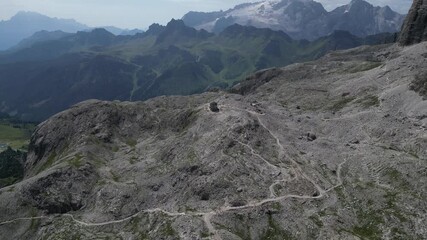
x,y
24,24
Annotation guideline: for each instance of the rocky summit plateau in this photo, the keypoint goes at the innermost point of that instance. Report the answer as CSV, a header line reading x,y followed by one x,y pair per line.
x,y
330,149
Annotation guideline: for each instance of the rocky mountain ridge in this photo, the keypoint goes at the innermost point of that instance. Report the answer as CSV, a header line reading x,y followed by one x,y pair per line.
x,y
302,19
25,24
329,149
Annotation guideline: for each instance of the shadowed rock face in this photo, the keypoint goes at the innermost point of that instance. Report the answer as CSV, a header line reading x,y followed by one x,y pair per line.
x,y
414,29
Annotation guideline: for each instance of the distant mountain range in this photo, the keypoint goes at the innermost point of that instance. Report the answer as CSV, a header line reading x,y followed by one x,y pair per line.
x,y
302,19
46,77
328,149
25,24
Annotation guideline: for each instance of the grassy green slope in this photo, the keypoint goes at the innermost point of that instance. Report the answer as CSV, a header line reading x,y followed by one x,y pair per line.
x,y
14,135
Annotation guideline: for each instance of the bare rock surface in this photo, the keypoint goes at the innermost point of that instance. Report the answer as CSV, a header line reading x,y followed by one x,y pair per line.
x,y
170,168
414,28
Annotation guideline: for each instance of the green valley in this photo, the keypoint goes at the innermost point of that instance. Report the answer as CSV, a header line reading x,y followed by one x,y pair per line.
x,y
14,134
52,75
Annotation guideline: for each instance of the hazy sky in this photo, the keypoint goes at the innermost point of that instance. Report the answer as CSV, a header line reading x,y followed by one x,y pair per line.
x,y
141,13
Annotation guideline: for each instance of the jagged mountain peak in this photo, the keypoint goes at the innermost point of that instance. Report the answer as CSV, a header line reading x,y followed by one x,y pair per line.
x,y
100,31
176,23
360,2
155,29
97,34
176,31
357,4
301,19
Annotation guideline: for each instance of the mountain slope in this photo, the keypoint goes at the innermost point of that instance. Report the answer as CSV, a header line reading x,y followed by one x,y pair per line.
x,y
336,146
302,19
25,24
362,19
42,36
172,60
119,31
330,149
53,46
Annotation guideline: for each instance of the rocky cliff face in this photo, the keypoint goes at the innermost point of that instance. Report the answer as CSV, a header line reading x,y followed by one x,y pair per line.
x,y
414,29
332,149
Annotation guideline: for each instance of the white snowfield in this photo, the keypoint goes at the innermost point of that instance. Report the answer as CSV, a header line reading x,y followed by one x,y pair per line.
x,y
308,19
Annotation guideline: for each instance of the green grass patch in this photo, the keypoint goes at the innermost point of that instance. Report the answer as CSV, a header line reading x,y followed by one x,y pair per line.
x,y
371,225
131,142
76,161
371,219
190,209
133,160
168,230
49,163
17,136
340,104
369,101
397,179
205,234
114,176
276,206
275,232
136,223
115,148
366,66
240,229
392,207
192,157
316,220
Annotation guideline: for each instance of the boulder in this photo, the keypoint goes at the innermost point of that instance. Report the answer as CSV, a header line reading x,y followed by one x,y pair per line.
x,y
213,106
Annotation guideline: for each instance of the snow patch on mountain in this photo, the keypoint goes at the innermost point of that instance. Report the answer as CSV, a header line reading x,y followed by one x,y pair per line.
x,y
301,18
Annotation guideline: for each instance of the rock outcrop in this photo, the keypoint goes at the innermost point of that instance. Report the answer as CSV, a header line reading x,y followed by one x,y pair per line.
x,y
414,29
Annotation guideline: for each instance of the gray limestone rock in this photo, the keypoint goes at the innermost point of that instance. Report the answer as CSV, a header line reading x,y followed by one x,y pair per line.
x,y
414,29
170,168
